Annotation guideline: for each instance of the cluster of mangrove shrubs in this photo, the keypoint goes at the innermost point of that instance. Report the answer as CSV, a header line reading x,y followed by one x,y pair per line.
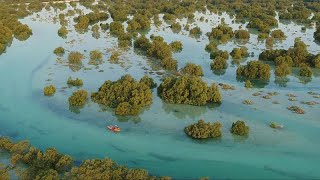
x,y
254,70
297,56
238,53
75,57
192,70
220,60
127,95
49,90
74,82
221,33
188,90
83,21
203,130
78,98
239,128
32,163
158,49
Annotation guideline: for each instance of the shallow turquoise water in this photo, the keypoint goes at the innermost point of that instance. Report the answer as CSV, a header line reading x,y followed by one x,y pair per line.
x,y
155,140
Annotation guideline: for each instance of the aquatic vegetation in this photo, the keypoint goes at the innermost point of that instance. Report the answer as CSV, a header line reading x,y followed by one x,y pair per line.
x,y
22,32
211,47
138,22
238,53
114,58
296,110
196,31
75,57
59,51
188,90
247,102
83,21
220,53
104,26
283,60
192,69
278,34
254,70
305,70
126,94
202,130
222,32
262,22
227,86
239,128
74,82
116,28
248,84
219,63
269,42
176,46
49,90
176,27
63,32
51,164
6,37
95,55
282,70
275,125
78,98
263,35
242,34
142,43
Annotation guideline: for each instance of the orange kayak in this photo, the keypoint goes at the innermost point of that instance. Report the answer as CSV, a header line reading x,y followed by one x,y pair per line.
x,y
114,128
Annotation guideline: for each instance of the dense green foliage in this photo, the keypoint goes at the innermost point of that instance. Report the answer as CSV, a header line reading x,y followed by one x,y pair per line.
x,y
32,163
116,28
278,34
202,130
296,56
211,47
78,98
239,128
63,32
139,22
238,53
74,82
75,57
176,45
59,51
188,90
219,63
242,34
157,49
222,33
254,70
192,69
196,31
83,21
223,54
282,70
127,95
22,32
305,70
49,90
95,55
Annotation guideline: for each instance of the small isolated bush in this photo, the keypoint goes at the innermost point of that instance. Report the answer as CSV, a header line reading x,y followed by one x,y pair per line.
x,y
49,90
74,82
202,130
59,51
95,55
239,128
238,53
75,57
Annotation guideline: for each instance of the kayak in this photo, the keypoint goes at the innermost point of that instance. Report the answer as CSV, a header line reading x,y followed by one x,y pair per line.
x,y
114,128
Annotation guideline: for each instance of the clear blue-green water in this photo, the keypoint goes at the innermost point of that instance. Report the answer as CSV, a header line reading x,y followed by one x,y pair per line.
x,y
155,139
